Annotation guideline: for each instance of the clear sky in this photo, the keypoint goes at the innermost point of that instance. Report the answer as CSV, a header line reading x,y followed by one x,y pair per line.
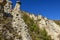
x,y
47,8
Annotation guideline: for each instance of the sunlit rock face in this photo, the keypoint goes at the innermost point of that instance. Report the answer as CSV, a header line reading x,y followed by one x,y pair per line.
x,y
14,27
8,7
19,23
51,27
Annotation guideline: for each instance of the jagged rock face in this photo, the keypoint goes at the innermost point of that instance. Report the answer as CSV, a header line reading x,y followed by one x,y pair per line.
x,y
51,27
19,23
8,7
14,25
5,27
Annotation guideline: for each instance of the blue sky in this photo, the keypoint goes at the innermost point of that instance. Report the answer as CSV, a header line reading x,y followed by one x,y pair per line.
x,y
47,8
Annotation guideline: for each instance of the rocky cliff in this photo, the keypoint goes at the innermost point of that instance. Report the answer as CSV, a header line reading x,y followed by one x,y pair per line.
x,y
19,25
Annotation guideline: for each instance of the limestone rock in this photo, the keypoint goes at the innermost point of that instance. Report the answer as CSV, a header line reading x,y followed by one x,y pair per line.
x,y
19,25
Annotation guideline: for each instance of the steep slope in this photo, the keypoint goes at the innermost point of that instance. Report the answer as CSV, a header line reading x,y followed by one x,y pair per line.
x,y
5,26
19,25
35,32
51,27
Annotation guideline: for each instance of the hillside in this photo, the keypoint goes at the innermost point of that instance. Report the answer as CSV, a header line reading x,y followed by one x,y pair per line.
x,y
35,32
20,25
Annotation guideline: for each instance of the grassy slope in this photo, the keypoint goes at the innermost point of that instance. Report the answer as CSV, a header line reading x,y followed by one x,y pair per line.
x,y
35,32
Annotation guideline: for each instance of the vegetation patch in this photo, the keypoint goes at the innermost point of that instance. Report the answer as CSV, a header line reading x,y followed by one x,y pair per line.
x,y
35,32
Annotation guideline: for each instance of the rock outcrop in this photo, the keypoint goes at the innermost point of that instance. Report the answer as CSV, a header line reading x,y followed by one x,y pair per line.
x,y
19,25
51,27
